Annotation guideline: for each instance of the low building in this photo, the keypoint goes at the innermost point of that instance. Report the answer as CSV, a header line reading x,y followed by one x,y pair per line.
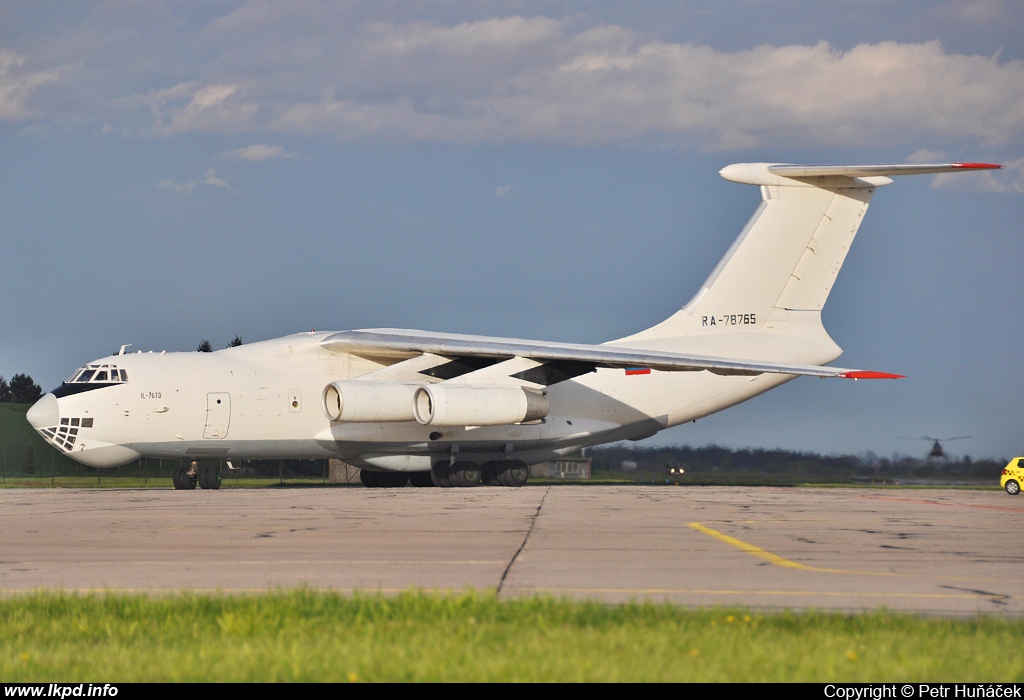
x,y
565,468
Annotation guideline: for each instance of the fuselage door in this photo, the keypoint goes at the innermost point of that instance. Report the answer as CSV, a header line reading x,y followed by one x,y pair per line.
x,y
218,415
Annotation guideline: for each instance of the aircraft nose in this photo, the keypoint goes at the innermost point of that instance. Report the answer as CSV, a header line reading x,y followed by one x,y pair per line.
x,y
45,413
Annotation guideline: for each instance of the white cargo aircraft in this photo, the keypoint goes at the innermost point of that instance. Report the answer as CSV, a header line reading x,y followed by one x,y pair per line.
x,y
460,410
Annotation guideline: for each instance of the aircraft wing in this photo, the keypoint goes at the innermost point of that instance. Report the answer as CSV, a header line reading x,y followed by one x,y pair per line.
x,y
402,343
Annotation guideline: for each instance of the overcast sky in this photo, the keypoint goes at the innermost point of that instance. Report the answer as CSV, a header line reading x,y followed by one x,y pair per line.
x,y
175,171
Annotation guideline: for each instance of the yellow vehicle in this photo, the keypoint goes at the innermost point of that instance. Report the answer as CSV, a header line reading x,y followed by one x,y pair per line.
x,y
1013,476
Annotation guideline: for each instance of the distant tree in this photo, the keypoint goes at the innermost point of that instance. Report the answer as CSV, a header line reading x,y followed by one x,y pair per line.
x,y
5,390
236,342
24,390
205,346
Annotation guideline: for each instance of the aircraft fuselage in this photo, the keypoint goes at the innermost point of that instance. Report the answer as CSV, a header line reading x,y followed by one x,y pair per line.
x,y
264,401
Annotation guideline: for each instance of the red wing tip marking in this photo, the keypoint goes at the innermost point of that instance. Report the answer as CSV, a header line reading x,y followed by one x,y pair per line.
x,y
977,166
630,371
865,374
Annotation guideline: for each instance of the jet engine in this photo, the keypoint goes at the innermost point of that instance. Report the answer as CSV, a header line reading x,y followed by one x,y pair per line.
x,y
455,405
368,401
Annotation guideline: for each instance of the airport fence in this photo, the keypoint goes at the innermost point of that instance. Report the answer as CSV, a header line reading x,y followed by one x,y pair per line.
x,y
56,469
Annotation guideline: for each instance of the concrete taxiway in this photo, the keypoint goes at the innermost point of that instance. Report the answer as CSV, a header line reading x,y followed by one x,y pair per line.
x,y
927,551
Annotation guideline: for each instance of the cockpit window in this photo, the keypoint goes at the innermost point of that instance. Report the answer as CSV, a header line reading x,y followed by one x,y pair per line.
x,y
98,374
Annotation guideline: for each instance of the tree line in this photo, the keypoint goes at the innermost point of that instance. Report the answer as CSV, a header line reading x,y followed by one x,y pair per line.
x,y
21,389
205,346
714,458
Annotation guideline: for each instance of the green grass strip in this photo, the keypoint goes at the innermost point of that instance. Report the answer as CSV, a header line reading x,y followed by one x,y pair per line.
x,y
316,636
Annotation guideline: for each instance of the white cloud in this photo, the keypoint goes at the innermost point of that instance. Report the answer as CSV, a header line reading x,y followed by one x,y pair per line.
x,y
16,85
927,155
336,71
258,152
531,79
191,107
181,187
210,178
505,190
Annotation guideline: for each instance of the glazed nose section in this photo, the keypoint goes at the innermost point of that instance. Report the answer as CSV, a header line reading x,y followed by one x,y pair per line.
x,y
45,413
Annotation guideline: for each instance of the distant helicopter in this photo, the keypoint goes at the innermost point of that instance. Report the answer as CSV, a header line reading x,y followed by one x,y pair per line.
x,y
937,452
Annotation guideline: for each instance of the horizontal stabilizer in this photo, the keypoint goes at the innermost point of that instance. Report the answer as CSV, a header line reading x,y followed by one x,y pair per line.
x,y
393,342
781,174
875,170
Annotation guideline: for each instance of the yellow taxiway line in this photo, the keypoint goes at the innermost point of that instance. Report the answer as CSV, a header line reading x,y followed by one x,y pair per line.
x,y
772,558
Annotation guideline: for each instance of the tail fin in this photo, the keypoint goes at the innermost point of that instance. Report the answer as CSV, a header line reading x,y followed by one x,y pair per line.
x,y
788,255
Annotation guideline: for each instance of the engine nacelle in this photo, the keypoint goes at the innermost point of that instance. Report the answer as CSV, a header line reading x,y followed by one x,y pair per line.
x,y
369,401
456,405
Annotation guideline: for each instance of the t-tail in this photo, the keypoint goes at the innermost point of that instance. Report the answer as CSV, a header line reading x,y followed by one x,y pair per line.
x,y
776,277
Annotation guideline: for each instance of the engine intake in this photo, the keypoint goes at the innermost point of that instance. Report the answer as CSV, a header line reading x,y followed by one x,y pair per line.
x,y
369,402
454,405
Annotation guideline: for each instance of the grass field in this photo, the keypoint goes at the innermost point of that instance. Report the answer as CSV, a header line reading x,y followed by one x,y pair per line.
x,y
311,636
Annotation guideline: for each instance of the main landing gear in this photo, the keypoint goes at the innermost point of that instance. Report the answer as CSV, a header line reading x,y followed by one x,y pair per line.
x,y
206,475
510,472
383,480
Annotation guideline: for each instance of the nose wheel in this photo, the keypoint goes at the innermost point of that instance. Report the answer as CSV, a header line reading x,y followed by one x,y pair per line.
x,y
207,476
184,478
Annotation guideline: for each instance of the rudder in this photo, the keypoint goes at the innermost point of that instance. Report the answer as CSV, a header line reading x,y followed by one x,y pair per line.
x,y
787,257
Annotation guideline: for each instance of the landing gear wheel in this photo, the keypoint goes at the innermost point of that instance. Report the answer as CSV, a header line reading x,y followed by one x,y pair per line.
x,y
439,475
1012,487
383,480
489,473
513,473
176,479
421,479
209,476
394,480
188,482
464,474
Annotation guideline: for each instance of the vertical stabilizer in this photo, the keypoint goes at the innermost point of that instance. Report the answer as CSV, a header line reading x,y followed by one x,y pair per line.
x,y
785,261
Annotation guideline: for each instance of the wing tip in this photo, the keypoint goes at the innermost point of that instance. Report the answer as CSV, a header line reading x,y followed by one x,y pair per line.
x,y
977,166
867,374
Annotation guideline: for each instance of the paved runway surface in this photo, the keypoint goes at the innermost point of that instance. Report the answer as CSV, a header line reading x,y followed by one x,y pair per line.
x,y
932,551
